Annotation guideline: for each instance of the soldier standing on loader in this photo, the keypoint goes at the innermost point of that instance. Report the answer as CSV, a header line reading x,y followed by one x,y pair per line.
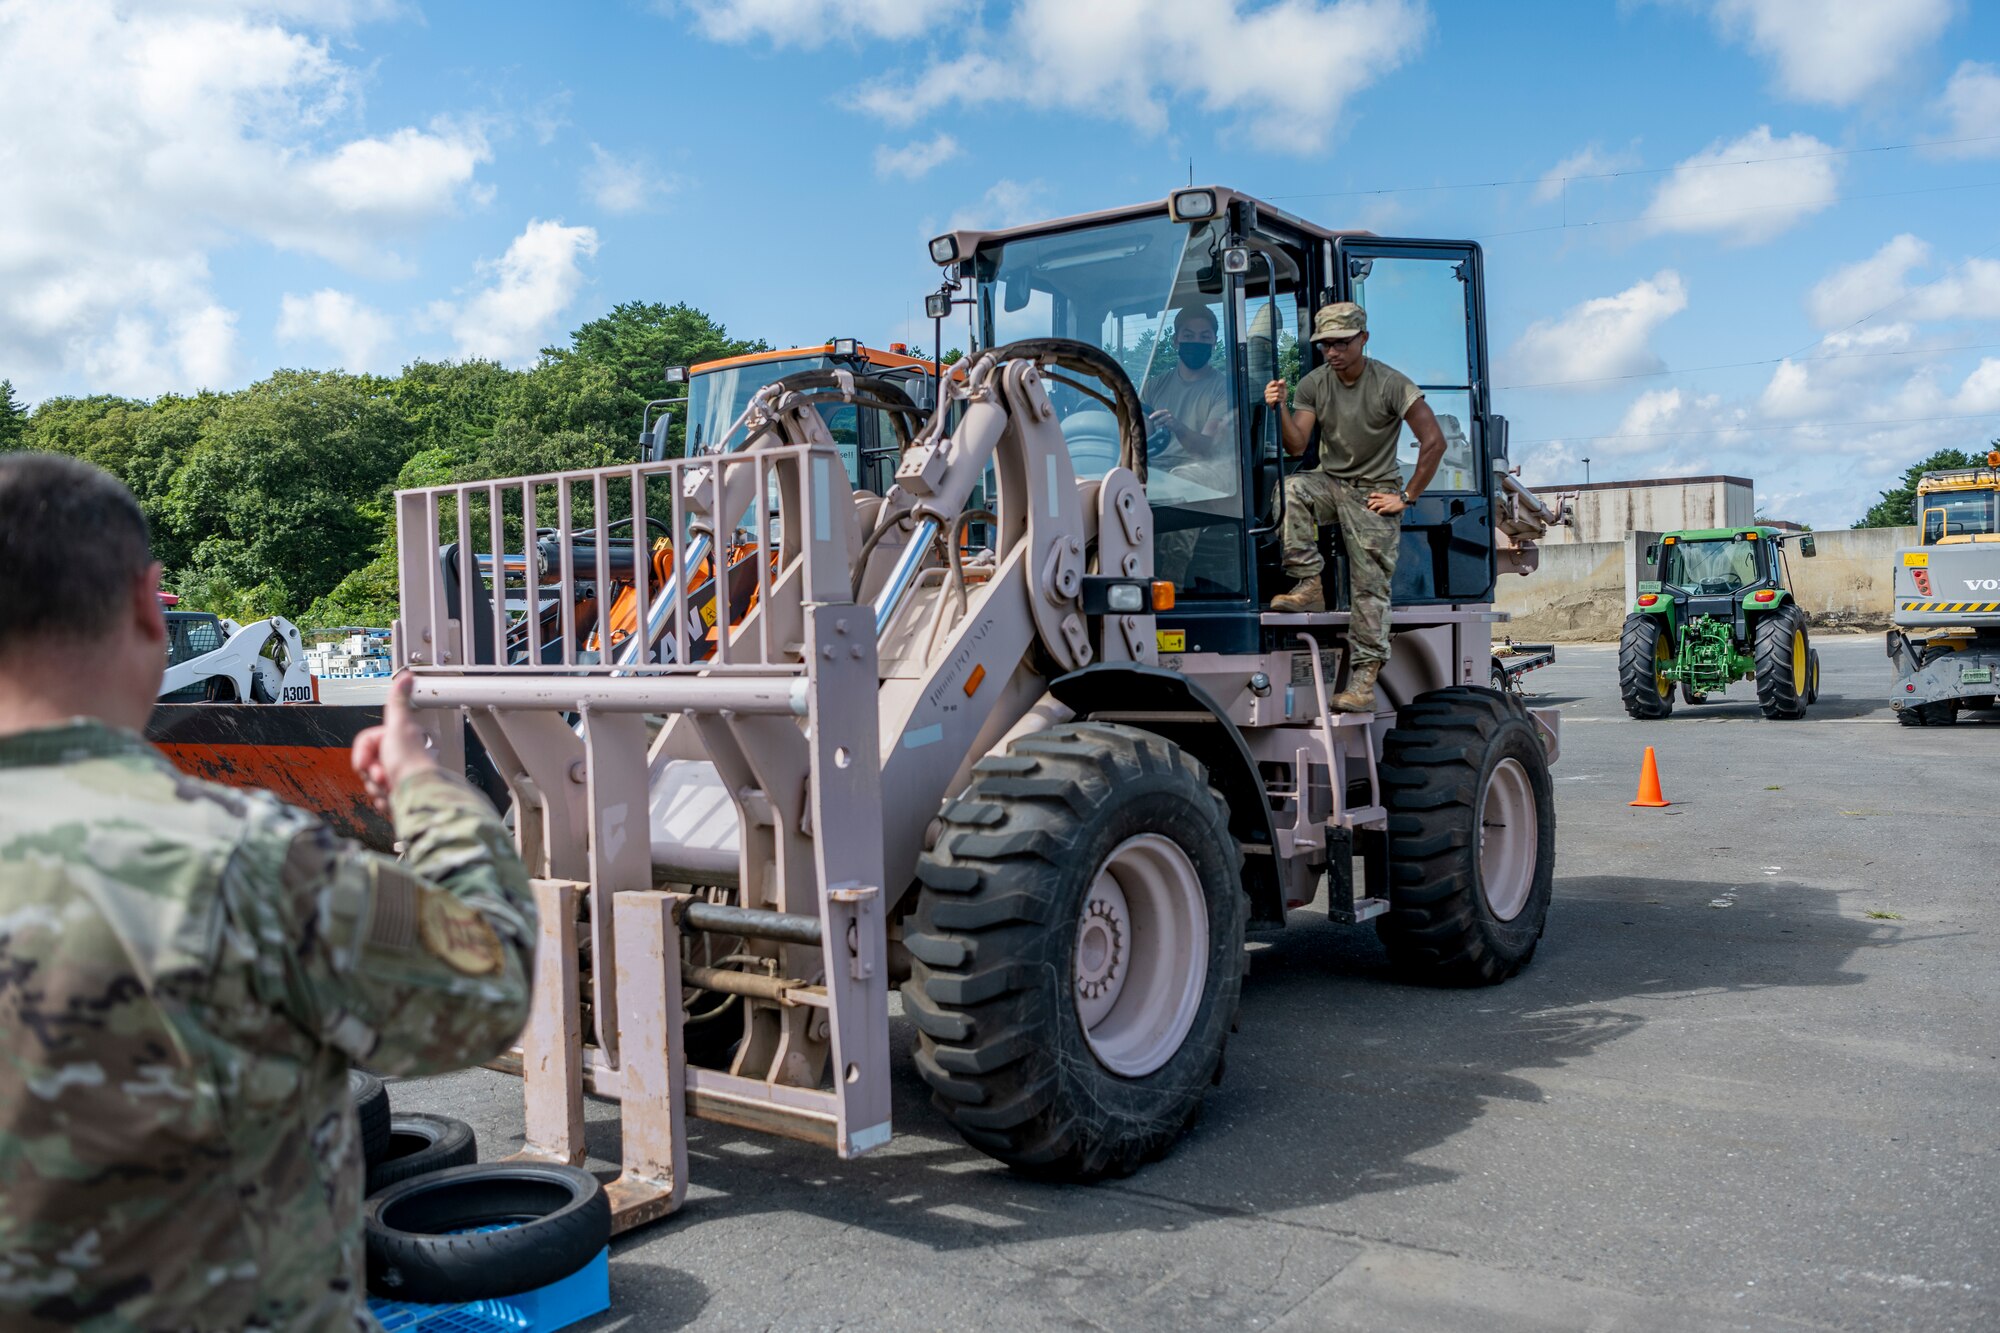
x,y
1360,406
188,970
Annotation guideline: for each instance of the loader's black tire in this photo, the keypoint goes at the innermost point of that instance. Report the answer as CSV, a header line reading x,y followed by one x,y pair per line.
x,y
370,1097
1450,767
424,1241
1784,663
1640,644
995,947
420,1144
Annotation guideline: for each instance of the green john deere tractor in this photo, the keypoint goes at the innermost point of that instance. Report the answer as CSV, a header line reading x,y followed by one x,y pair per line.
x,y
1718,609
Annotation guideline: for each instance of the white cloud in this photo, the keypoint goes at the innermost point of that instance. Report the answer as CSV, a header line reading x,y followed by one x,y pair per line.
x,y
533,283
357,333
915,160
1857,290
1969,290
144,138
1834,54
1587,161
809,23
1285,70
624,184
1602,338
1009,203
1971,105
1748,190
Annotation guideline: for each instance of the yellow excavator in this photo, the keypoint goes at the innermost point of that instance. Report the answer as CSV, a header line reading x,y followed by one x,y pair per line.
x,y
1948,589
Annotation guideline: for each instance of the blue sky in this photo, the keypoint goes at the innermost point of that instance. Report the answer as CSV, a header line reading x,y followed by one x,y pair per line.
x,y
1776,253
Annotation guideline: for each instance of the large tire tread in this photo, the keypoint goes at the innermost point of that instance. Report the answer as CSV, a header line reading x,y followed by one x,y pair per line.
x,y
1438,930
1782,698
1638,686
998,1040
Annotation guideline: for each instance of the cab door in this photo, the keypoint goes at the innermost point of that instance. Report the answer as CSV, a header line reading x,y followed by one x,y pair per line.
x,y
1426,305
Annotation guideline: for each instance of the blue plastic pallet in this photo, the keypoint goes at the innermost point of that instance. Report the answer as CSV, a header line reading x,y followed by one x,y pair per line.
x,y
583,1293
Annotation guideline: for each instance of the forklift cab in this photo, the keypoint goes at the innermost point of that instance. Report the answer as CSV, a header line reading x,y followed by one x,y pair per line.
x,y
1126,280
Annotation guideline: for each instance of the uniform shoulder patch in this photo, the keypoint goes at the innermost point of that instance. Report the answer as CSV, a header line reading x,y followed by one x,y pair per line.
x,y
457,934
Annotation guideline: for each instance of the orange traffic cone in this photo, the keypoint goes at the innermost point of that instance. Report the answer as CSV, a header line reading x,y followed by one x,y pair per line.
x,y
1649,782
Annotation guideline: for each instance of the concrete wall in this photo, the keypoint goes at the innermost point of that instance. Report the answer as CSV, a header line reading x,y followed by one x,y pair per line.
x,y
1583,589
1606,512
1848,584
1577,595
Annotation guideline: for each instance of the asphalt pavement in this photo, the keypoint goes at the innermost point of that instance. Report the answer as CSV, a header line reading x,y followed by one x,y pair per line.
x,y
1750,1080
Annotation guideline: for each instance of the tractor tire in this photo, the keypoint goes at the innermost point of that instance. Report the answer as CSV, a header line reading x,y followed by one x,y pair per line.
x,y
1077,951
1689,697
1784,663
1643,648
1472,838
1812,679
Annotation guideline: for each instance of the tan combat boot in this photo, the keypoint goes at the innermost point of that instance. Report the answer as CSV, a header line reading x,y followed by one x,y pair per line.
x,y
1359,696
1306,595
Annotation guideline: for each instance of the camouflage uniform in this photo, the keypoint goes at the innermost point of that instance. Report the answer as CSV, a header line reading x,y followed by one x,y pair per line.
x,y
1315,498
186,972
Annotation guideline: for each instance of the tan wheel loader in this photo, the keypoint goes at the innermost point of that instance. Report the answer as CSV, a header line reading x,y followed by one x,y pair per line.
x,y
1044,780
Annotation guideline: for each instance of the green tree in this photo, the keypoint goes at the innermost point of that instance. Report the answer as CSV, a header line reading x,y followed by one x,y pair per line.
x,y
13,418
284,493
1898,508
636,342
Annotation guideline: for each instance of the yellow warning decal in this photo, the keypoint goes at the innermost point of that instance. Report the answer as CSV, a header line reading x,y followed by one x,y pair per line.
x,y
1952,607
1917,559
1171,640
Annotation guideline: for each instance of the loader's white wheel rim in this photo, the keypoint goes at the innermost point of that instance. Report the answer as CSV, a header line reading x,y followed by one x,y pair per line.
x,y
1508,835
1141,955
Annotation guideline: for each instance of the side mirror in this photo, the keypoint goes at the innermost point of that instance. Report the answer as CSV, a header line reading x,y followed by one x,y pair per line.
x,y
1807,548
1014,295
1652,553
1497,433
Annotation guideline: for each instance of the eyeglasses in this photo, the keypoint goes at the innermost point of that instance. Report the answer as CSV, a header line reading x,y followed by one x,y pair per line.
x,y
1340,344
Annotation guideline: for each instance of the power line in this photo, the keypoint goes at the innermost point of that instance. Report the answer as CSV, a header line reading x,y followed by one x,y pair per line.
x,y
1731,212
1640,171
1902,297
1768,361
1782,425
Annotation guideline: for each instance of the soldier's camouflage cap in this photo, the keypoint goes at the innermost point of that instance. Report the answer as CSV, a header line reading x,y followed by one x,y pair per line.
x,y
1343,319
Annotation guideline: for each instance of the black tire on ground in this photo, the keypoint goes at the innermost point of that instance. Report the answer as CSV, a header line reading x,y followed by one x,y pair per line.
x,y
1812,681
1784,657
1499,677
1689,697
996,946
423,1246
1640,644
371,1107
1458,768
420,1144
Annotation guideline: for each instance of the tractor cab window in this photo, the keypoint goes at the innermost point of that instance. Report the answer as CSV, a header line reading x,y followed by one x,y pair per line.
x,y
1965,515
717,398
1720,566
1150,292
189,636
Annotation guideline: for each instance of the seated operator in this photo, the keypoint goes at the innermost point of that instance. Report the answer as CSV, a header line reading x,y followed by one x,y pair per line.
x,y
1191,401
1358,406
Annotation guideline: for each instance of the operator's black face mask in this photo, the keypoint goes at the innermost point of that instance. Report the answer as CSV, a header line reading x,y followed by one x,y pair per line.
x,y
1195,355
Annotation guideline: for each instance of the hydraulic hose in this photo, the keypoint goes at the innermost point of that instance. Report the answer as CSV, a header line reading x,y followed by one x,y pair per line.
x,y
1082,358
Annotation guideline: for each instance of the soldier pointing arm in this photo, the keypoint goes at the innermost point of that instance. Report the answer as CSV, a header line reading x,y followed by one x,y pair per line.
x,y
188,971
